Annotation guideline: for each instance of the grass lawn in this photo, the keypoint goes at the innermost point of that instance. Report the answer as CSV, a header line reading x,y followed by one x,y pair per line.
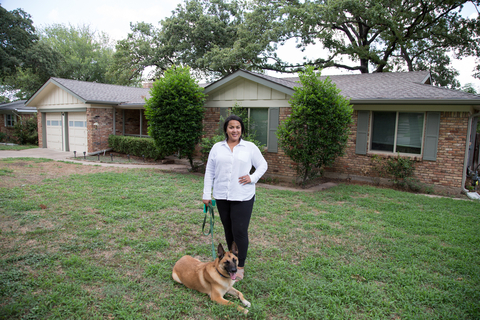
x,y
17,147
102,246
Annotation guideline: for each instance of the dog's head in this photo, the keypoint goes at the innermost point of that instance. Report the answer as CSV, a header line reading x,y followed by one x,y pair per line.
x,y
228,261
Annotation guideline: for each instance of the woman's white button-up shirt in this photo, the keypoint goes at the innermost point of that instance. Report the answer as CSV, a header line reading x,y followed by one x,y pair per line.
x,y
224,167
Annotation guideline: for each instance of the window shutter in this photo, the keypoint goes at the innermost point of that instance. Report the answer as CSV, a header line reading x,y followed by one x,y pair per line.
x,y
362,132
431,136
273,121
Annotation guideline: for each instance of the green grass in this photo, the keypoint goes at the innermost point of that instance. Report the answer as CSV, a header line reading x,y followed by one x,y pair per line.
x,y
105,246
17,147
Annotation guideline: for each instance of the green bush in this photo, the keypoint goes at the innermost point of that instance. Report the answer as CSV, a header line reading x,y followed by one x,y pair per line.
x,y
26,131
3,137
135,146
400,168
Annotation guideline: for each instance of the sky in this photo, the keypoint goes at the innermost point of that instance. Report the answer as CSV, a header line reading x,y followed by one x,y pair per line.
x,y
114,16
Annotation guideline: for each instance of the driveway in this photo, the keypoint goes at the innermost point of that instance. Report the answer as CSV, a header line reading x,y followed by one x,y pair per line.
x,y
68,156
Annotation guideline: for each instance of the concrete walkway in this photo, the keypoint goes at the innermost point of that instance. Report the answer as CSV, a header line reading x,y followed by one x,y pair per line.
x,y
68,156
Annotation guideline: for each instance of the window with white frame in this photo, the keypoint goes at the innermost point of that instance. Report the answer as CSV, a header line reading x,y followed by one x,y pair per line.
x,y
394,132
10,120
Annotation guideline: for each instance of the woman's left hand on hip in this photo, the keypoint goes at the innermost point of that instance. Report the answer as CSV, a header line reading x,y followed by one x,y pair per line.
x,y
243,180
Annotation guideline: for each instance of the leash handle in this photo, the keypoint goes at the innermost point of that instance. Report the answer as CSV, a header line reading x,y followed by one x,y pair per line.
x,y
209,212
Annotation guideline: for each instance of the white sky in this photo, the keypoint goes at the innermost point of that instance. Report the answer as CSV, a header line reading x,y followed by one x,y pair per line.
x,y
114,17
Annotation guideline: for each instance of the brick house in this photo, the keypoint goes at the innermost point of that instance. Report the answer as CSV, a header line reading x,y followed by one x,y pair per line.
x,y
10,114
394,113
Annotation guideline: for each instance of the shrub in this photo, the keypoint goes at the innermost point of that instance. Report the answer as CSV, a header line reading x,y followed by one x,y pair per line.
x,y
175,112
316,132
26,131
3,137
400,168
135,146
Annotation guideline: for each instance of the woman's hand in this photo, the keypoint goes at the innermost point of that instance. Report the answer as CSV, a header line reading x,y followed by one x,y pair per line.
x,y
244,180
207,202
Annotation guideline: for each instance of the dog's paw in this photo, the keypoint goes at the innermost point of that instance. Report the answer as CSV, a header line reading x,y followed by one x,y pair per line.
x,y
246,303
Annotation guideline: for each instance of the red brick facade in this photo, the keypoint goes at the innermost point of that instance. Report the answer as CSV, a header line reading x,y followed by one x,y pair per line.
x,y
97,135
9,130
445,172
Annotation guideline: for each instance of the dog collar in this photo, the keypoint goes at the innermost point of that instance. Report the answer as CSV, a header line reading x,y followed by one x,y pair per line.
x,y
221,274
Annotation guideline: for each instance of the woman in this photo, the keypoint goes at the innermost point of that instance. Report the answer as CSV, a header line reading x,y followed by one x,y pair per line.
x,y
228,167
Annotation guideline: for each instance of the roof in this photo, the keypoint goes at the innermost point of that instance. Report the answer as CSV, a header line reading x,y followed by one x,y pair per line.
x,y
384,87
17,106
99,93
376,88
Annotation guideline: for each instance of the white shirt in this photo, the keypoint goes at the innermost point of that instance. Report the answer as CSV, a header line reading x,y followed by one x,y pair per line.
x,y
224,167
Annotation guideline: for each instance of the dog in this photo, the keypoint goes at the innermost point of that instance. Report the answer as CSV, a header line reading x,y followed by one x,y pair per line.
x,y
214,278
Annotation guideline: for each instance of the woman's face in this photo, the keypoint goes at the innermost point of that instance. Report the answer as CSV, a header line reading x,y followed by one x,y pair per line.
x,y
234,131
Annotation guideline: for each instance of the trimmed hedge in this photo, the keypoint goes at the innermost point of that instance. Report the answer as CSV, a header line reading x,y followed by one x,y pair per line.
x,y
135,146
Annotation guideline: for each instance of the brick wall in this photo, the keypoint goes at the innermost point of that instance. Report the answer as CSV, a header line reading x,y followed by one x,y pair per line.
x,y
446,171
40,129
98,135
9,130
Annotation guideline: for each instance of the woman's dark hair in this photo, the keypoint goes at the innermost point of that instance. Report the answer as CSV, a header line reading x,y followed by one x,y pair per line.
x,y
236,118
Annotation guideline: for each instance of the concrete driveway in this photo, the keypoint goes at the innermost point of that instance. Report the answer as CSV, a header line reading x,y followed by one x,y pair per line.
x,y
68,156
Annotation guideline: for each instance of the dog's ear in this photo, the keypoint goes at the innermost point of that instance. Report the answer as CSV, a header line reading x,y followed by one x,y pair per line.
x,y
234,249
220,251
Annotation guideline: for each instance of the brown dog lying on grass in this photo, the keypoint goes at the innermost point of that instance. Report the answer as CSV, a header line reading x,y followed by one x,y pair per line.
x,y
213,278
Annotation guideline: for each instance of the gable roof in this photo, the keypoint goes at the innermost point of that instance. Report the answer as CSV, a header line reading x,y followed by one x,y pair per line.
x,y
97,93
16,106
370,88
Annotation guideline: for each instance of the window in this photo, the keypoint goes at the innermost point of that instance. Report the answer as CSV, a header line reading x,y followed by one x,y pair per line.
x,y
78,124
259,123
10,120
397,132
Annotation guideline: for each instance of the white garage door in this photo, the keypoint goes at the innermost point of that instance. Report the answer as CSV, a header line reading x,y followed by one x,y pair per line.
x,y
54,131
77,132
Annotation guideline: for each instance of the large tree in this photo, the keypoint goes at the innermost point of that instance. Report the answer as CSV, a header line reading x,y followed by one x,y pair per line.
x,y
70,52
210,36
380,35
17,35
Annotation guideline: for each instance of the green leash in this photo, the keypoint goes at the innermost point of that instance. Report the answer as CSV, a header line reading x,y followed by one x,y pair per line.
x,y
209,211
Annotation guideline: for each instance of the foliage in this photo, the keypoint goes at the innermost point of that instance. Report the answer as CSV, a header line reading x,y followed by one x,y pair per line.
x,y
17,34
209,36
175,112
380,36
26,131
317,130
135,146
78,53
469,88
400,168
3,136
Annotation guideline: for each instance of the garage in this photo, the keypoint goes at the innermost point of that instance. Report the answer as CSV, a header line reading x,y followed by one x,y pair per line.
x,y
77,132
54,131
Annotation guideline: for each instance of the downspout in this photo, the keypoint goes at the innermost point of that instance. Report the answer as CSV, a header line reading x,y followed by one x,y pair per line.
x,y
467,147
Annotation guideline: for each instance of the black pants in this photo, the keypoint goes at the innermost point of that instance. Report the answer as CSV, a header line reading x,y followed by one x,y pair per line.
x,y
235,216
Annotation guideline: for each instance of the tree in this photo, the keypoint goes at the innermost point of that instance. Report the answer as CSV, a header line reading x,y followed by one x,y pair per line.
x,y
175,112
77,53
316,132
209,36
381,35
17,34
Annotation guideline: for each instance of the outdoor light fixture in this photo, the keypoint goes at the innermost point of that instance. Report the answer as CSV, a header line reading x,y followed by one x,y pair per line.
x,y
128,157
96,125
84,155
143,156
98,157
111,157
74,154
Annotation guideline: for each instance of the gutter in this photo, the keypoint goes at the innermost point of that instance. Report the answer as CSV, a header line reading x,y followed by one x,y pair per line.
x,y
471,195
